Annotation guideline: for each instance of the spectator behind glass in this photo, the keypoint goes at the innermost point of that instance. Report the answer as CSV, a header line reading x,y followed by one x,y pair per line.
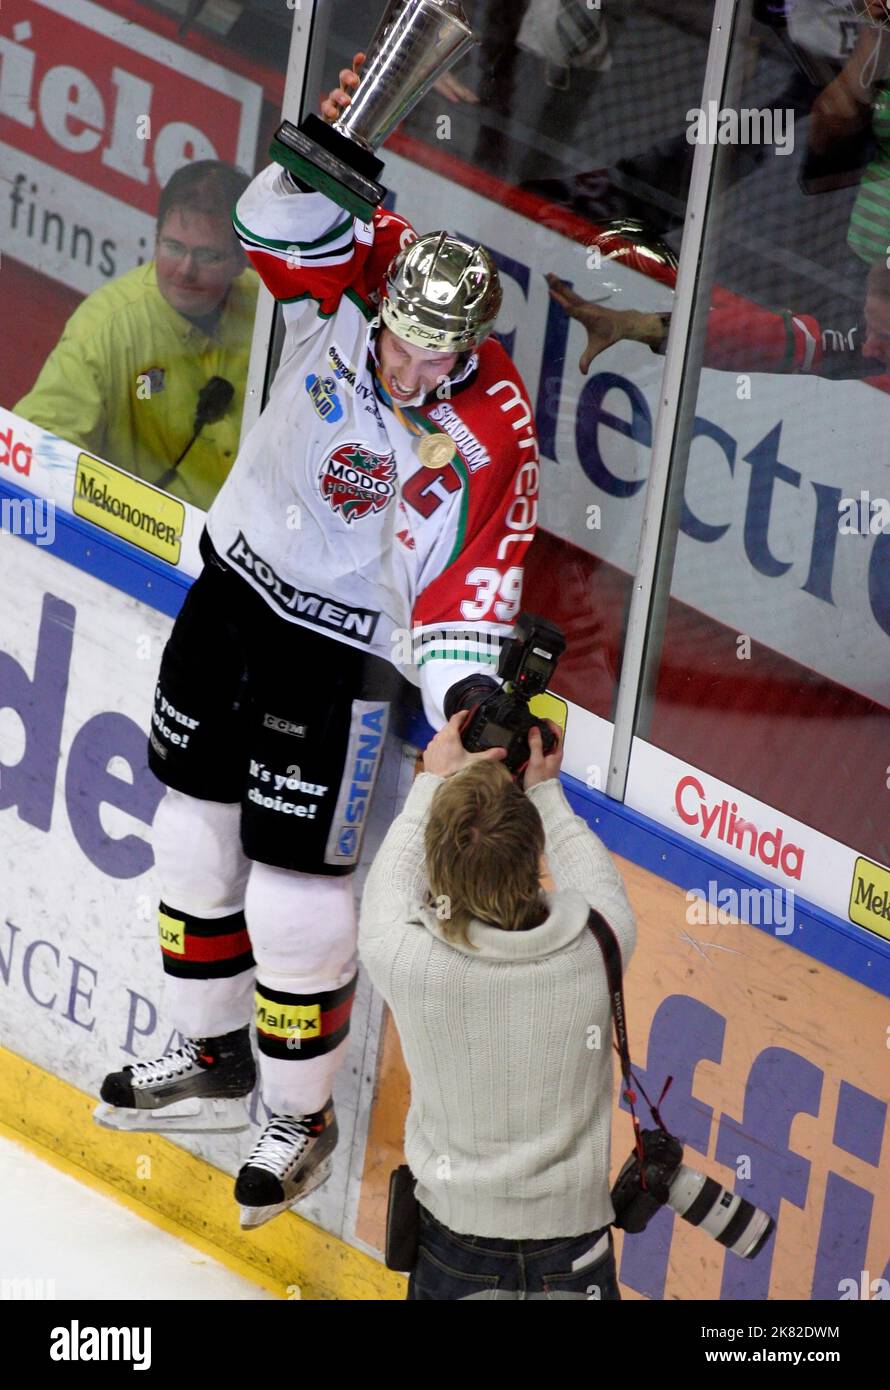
x,y
856,104
124,378
497,988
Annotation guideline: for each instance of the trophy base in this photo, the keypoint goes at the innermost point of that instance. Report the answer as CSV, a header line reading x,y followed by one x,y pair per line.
x,y
330,163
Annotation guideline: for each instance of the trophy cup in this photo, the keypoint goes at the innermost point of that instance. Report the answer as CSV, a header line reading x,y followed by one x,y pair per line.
x,y
415,42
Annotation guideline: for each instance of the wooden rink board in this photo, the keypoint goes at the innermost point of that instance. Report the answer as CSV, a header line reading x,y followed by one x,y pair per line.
x,y
771,997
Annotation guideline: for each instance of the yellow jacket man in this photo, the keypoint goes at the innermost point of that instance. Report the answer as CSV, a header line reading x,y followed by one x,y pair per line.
x,y
124,380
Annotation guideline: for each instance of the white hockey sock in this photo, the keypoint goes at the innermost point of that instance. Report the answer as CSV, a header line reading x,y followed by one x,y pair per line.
x,y
203,873
303,930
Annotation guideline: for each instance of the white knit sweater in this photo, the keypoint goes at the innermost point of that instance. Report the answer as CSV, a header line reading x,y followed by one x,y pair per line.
x,y
508,1133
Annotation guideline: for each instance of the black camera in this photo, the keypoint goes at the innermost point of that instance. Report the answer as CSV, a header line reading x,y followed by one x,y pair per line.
x,y
499,715
661,1176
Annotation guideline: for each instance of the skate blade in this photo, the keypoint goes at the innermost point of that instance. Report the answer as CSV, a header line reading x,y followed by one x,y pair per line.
x,y
210,1116
251,1217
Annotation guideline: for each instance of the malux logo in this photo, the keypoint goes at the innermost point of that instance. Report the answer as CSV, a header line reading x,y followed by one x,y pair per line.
x,y
280,1020
171,931
355,480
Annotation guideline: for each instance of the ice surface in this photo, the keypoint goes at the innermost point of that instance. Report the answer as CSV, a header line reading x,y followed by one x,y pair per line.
x,y
71,1241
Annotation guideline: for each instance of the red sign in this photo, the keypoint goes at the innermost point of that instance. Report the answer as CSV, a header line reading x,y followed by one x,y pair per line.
x,y
114,104
14,452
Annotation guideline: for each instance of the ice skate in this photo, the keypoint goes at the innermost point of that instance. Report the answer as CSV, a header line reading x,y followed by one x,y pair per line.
x,y
291,1159
194,1088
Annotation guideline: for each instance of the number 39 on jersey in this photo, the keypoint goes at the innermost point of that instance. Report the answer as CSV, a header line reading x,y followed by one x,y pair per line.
x,y
497,595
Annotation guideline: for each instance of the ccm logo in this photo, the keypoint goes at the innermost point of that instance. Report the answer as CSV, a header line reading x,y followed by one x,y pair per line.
x,y
284,726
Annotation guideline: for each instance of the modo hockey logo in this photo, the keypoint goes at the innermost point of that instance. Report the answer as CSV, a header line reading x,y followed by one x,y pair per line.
x,y
355,481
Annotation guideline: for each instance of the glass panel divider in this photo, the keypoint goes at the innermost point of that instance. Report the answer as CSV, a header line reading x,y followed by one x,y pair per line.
x,y
676,410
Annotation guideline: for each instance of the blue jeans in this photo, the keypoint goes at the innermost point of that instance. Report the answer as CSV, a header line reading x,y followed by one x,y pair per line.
x,y
453,1266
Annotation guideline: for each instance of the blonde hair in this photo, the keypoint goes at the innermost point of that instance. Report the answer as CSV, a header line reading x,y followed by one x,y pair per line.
x,y
483,840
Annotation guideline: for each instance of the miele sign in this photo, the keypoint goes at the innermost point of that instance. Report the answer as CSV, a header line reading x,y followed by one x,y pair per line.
x,y
95,115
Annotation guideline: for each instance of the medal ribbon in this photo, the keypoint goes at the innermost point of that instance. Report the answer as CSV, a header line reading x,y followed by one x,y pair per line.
x,y
414,422
410,425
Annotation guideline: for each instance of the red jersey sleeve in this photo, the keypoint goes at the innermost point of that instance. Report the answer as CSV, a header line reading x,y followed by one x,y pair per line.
x,y
742,336
306,247
470,588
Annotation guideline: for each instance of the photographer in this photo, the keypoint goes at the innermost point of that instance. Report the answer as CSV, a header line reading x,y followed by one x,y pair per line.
x,y
500,996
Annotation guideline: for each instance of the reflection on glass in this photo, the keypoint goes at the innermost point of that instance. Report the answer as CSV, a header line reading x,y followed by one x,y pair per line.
x,y
119,343
127,380
565,122
773,669
257,30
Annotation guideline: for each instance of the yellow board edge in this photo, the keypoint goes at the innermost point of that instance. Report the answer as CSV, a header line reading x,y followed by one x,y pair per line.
x,y
547,706
867,878
185,1195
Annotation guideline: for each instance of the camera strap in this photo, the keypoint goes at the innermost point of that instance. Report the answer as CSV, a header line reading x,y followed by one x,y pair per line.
x,y
608,944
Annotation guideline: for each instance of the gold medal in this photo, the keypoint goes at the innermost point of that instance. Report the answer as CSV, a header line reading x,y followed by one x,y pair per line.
x,y
436,450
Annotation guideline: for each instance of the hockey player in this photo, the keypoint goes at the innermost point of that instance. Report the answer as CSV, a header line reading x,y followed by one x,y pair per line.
x,y
384,500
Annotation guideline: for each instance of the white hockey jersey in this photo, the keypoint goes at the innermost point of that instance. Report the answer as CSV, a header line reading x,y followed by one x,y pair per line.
x,y
329,511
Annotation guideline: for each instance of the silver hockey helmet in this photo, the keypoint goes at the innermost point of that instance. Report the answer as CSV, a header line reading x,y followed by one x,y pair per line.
x,y
441,293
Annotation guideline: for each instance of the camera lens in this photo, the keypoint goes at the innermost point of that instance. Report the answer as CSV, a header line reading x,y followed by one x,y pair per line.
x,y
466,693
733,1221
